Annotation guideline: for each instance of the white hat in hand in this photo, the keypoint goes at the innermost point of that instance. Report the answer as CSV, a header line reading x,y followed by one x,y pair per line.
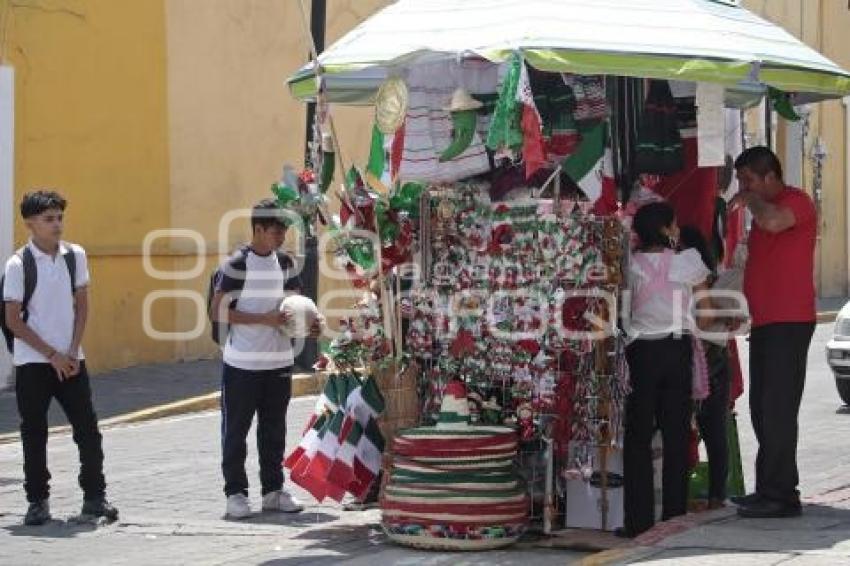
x,y
303,314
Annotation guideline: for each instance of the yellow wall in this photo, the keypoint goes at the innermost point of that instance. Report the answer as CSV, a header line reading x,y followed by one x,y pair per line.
x,y
154,114
90,120
823,25
157,114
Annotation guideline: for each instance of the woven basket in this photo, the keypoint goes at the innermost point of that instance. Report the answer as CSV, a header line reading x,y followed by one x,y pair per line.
x,y
401,401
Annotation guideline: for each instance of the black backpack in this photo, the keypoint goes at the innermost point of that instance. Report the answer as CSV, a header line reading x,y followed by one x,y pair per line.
x,y
30,281
238,262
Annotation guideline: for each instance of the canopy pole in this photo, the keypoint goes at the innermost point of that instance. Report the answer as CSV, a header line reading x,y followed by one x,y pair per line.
x,y
318,13
768,122
317,73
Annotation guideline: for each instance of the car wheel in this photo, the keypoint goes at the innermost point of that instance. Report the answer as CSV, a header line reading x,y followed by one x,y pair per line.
x,y
843,386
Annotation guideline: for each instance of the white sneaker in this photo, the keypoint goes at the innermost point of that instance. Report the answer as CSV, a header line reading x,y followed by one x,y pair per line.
x,y
281,501
238,507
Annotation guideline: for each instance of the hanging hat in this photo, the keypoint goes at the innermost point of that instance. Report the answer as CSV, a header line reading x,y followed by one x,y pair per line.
x,y
461,100
454,410
391,105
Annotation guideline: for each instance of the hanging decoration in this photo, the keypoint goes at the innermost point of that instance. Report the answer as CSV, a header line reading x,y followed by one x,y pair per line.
x,y
391,104
300,195
464,113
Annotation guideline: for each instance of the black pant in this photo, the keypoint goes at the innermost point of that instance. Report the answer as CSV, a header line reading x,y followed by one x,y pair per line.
x,y
245,392
661,379
778,355
712,420
35,386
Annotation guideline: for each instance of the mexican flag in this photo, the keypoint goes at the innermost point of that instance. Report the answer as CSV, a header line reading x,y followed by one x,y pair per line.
x,y
592,169
356,464
342,448
533,150
300,459
367,460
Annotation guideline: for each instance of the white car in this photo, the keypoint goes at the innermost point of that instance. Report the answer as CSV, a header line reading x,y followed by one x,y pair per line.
x,y
838,353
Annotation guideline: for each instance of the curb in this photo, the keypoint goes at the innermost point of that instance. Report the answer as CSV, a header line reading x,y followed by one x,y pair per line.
x,y
303,385
646,545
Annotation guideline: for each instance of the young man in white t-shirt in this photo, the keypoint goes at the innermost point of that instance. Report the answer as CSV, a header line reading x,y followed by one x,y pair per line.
x,y
258,360
45,295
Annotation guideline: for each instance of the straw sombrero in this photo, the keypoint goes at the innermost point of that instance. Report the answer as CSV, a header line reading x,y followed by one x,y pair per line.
x,y
461,101
391,105
453,486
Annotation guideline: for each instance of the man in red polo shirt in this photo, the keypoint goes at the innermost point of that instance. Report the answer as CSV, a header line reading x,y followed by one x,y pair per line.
x,y
780,290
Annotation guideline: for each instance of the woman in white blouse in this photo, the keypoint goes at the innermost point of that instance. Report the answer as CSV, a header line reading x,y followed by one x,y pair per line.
x,y
662,284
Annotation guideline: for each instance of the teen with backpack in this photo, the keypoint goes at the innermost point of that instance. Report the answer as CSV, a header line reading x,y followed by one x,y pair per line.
x,y
248,290
45,295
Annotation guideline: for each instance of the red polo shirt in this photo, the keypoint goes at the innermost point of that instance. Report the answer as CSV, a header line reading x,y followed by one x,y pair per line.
x,y
779,275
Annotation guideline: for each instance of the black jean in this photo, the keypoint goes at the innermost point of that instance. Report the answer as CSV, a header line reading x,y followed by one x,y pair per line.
x,y
712,419
35,386
661,379
244,393
778,355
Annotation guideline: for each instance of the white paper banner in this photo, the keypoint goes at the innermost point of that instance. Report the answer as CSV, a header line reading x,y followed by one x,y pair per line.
x,y
711,125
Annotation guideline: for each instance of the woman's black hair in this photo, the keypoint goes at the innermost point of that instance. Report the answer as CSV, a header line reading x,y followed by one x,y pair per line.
x,y
36,202
649,223
691,237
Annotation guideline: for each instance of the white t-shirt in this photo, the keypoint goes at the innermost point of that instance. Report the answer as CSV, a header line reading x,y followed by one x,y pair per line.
x,y
51,308
656,315
257,346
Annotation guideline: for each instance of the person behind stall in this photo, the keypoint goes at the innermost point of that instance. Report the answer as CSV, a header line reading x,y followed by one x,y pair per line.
x,y
660,357
257,360
712,413
779,287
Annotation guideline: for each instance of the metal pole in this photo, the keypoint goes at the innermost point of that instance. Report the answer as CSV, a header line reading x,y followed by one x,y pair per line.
x,y
310,273
318,18
768,122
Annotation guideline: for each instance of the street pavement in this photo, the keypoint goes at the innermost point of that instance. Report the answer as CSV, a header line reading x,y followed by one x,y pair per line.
x,y
164,475
165,478
123,391
821,536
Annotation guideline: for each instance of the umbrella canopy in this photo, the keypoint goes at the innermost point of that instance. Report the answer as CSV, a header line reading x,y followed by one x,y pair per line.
x,y
691,40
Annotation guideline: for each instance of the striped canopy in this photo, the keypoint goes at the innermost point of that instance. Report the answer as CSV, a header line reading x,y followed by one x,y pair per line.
x,y
692,40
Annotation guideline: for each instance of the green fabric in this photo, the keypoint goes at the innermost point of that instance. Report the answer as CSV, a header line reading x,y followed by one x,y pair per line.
x,y
398,491
698,482
302,85
802,80
782,104
406,199
505,126
377,155
735,481
634,65
588,154
327,173
361,252
463,130
462,477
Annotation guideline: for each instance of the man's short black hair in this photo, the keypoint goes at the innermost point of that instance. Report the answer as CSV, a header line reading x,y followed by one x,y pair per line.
x,y
760,160
36,202
267,213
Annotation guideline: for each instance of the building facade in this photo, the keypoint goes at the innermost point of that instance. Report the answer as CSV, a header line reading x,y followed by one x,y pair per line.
x,y
150,116
816,151
161,119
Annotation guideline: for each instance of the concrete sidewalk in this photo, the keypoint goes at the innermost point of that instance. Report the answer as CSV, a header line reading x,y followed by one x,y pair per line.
x,y
821,536
143,393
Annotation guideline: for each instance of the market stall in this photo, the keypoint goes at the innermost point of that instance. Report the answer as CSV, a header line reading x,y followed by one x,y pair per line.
x,y
512,143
